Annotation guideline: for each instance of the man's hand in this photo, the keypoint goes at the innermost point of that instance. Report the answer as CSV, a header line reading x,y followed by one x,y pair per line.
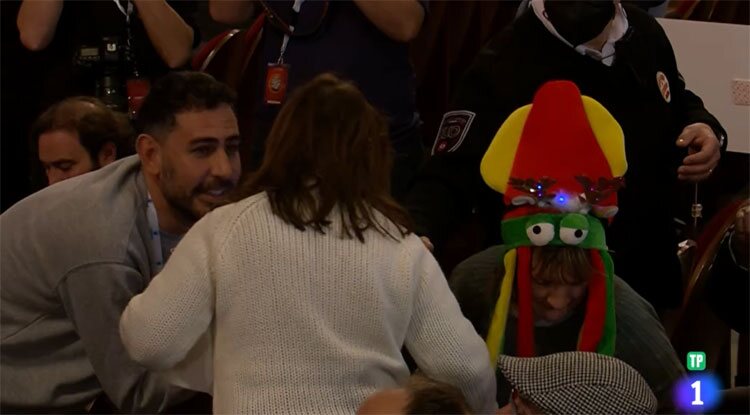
x,y
427,243
703,152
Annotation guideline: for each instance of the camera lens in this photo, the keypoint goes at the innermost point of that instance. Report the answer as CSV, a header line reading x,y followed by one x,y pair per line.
x,y
110,92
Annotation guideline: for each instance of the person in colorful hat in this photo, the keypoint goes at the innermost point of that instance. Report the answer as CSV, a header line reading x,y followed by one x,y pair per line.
x,y
559,162
618,55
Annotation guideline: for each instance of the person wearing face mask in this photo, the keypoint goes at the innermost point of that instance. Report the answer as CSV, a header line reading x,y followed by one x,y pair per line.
x,y
73,254
551,287
618,55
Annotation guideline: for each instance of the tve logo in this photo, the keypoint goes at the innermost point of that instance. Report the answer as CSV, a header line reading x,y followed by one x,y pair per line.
x,y
698,392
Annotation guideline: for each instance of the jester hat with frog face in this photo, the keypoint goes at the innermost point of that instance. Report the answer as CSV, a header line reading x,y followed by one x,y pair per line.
x,y
559,163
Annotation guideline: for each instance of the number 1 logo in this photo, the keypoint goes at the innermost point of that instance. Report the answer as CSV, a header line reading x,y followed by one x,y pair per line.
x,y
697,393
697,389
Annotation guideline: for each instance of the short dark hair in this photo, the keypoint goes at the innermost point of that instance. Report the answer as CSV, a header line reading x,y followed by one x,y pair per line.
x,y
329,148
179,92
95,124
429,396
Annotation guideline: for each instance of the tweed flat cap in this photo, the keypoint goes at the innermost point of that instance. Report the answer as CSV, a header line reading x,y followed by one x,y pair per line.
x,y
579,383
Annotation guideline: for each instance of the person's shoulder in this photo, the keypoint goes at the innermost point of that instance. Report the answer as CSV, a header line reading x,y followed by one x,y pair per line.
x,y
256,207
481,262
89,196
229,222
636,14
515,60
478,271
633,313
412,242
513,33
86,218
643,26
405,256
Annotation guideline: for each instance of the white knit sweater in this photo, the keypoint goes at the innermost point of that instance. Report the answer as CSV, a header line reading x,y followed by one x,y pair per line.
x,y
304,322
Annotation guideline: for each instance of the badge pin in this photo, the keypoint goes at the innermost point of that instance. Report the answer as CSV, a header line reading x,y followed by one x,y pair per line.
x,y
276,82
663,83
452,131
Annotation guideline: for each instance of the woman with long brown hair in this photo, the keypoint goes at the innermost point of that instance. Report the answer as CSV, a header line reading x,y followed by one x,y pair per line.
x,y
312,281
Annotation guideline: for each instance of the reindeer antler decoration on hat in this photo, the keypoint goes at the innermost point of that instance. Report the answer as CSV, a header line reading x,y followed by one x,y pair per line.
x,y
559,161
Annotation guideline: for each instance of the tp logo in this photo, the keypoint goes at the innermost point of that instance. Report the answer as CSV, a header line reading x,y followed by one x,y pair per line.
x,y
696,361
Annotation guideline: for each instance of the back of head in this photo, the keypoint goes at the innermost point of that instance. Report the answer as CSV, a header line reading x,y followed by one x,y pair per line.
x,y
429,396
329,148
178,92
579,21
93,123
579,382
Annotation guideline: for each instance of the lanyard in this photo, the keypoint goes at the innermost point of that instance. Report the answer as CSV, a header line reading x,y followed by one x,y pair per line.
x,y
157,258
295,9
127,12
129,55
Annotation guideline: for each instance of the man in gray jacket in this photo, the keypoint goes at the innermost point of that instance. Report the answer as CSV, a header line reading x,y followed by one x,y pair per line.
x,y
73,254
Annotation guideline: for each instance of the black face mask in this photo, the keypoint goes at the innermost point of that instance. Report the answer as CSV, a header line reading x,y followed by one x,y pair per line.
x,y
579,21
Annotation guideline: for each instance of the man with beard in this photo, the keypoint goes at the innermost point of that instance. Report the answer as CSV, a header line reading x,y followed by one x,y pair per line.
x,y
74,254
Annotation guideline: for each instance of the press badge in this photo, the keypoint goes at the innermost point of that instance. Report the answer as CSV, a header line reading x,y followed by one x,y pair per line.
x,y
277,76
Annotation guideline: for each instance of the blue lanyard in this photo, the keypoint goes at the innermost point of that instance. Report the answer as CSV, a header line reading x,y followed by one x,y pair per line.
x,y
157,258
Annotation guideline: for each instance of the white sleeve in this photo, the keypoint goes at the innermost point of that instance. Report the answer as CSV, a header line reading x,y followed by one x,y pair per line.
x,y
196,371
161,325
444,344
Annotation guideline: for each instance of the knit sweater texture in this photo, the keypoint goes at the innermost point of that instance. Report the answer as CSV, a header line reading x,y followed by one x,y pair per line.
x,y
304,322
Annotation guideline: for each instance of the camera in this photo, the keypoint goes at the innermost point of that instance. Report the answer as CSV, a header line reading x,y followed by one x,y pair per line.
x,y
107,63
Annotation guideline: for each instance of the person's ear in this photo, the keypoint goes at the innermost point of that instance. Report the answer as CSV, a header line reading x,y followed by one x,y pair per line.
x,y
149,151
107,154
506,410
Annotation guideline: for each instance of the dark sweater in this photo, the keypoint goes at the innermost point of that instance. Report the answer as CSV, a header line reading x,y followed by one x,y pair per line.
x,y
641,341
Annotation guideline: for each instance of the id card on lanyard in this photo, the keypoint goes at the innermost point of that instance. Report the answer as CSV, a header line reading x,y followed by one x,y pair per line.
x,y
277,73
137,88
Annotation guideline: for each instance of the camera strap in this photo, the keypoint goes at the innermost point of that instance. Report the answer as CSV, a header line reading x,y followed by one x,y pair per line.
x,y
127,12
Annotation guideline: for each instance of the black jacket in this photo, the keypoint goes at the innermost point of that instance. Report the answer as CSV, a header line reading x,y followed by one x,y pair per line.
x,y
505,76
